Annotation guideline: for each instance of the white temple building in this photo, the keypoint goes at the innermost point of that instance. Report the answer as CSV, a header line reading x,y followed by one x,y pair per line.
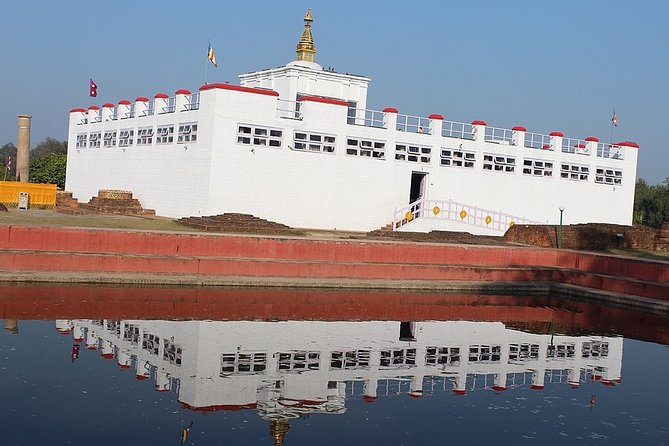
x,y
297,145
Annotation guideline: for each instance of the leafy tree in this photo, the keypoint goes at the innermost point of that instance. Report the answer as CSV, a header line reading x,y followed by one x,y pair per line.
x,y
49,169
47,147
651,203
6,151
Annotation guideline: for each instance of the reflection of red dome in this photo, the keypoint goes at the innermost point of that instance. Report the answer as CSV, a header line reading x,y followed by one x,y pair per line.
x,y
108,355
140,377
124,366
368,398
607,382
574,385
596,377
416,394
64,330
78,339
536,387
460,392
498,388
91,347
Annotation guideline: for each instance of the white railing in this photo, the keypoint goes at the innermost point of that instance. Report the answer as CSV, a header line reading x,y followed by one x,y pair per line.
x,y
288,109
413,124
194,101
498,135
171,105
460,212
610,151
572,145
538,141
366,118
459,130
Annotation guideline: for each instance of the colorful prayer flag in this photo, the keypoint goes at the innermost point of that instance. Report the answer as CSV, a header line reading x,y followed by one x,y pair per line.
x,y
614,119
92,89
211,56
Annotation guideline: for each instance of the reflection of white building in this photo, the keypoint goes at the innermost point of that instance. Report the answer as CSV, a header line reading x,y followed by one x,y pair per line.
x,y
285,369
296,144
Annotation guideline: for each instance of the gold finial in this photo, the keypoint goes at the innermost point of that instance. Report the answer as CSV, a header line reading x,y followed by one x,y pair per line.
x,y
278,429
305,48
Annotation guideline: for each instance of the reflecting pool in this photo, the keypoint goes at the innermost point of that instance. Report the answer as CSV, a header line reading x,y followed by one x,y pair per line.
x,y
89,365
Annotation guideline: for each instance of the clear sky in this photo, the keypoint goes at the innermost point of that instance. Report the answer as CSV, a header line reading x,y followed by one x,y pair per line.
x,y
547,65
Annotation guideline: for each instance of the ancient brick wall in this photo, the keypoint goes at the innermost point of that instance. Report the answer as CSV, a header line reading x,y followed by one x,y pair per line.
x,y
591,236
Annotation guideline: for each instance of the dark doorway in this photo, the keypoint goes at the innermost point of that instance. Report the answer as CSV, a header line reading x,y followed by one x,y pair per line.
x,y
418,182
407,331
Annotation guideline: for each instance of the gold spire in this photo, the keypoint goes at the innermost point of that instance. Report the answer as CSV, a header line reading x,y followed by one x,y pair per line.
x,y
305,48
278,429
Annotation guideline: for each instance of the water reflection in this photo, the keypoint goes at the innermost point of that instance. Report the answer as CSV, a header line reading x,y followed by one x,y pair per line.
x,y
288,369
287,355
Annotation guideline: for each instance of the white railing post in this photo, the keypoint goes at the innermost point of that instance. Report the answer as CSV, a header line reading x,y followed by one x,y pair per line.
x,y
436,124
479,130
591,145
390,118
108,112
93,113
181,100
518,136
160,103
123,109
141,106
556,140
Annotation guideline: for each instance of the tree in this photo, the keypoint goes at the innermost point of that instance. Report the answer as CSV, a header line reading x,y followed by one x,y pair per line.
x,y
651,203
49,169
47,147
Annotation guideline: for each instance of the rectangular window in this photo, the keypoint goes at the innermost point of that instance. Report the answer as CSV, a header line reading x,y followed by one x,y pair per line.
x,y
125,137
561,351
259,136
187,133
350,360
398,358
110,138
165,134
484,353
250,363
366,148
82,138
413,154
442,355
499,163
576,172
299,361
151,343
604,175
94,139
172,352
313,142
595,349
523,352
457,158
537,168
131,333
145,136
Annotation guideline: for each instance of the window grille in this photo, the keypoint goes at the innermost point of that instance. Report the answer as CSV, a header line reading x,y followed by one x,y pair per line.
x,y
398,358
187,133
523,352
125,137
145,136
366,148
299,361
172,352
499,163
110,138
151,343
165,134
350,360
259,136
412,153
250,363
457,158
538,168
442,355
313,142
94,139
605,175
577,172
82,139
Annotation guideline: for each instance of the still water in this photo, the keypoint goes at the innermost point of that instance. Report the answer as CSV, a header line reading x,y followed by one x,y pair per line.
x,y
106,366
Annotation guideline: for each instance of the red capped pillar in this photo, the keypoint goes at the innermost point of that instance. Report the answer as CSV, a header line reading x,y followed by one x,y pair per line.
x,y
141,106
390,118
123,110
436,124
518,136
591,145
556,140
479,129
182,100
108,112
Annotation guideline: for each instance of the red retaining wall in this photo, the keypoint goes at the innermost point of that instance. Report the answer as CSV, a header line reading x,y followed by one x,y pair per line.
x,y
26,248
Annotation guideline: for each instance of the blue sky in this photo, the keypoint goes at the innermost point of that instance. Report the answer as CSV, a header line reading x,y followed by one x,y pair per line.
x,y
546,65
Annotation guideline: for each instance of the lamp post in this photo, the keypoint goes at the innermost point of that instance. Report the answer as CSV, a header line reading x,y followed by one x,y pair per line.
x,y
560,229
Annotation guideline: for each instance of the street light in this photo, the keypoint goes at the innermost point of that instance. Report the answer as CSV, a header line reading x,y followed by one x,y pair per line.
x,y
560,229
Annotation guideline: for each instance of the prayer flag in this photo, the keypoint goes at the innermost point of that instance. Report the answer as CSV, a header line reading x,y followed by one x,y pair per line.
x,y
211,56
614,119
93,89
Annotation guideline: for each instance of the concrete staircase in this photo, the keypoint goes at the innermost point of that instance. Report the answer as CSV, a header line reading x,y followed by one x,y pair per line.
x,y
108,201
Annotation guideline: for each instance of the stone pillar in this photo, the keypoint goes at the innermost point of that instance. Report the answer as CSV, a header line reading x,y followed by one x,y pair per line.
x,y
23,152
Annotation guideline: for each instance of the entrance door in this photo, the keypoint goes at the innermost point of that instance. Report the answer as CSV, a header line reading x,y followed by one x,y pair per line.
x,y
418,186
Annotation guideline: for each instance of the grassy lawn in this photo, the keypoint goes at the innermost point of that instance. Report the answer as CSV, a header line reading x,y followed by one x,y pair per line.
x,y
37,217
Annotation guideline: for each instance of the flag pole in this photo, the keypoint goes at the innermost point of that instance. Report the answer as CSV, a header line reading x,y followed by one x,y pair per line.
x,y
613,124
206,63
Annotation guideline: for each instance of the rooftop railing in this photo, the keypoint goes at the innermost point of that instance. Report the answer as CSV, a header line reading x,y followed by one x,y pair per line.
x,y
538,141
413,124
612,151
459,130
366,118
572,145
498,135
